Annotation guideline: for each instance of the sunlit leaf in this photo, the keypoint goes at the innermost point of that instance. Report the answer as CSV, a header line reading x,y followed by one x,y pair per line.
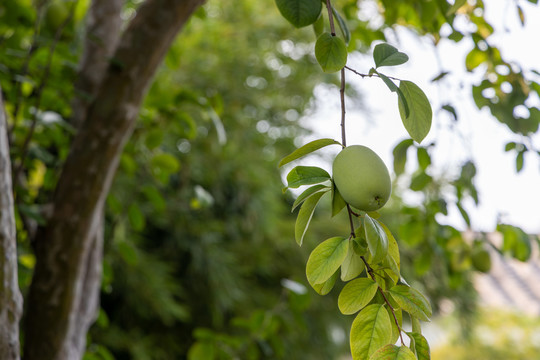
x,y
412,301
325,287
330,52
356,294
371,329
421,346
325,259
352,265
393,352
376,239
455,7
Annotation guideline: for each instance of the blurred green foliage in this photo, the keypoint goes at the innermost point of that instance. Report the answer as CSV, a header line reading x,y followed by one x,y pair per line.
x,y
200,256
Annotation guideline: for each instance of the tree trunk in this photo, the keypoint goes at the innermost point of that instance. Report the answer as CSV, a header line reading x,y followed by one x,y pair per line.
x,y
10,296
57,288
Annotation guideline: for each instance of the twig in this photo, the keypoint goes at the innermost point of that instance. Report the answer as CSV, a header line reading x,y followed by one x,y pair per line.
x,y
330,18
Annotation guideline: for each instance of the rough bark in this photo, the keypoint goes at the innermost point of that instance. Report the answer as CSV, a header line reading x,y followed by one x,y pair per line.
x,y
10,296
62,246
103,24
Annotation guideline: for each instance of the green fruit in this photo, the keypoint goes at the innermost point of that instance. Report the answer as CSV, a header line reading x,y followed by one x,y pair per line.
x,y
55,15
481,260
362,178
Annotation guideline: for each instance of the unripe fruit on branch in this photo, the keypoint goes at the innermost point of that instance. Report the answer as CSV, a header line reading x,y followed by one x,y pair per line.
x,y
362,178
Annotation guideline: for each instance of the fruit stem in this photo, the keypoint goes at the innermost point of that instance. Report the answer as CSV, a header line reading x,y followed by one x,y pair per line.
x,y
342,98
330,18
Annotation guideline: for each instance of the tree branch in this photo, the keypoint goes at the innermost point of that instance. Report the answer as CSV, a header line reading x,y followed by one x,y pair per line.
x,y
62,246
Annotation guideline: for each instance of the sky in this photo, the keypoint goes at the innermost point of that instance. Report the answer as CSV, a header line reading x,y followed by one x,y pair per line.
x,y
505,195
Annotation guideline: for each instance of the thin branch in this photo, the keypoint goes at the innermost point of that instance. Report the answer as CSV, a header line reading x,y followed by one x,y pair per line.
x,y
342,99
369,75
330,18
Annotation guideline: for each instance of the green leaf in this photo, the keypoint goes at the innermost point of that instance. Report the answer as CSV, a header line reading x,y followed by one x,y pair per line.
x,y
412,301
356,294
307,149
400,156
352,265
300,13
424,160
318,26
389,83
337,201
421,346
376,239
201,350
395,331
342,25
136,217
165,162
304,217
306,175
418,121
416,327
519,161
326,287
325,259
455,7
392,260
387,55
330,52
371,329
393,352
307,193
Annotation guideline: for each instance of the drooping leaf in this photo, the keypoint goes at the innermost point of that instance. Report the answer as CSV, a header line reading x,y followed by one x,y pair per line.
x,y
371,329
330,52
307,149
325,259
300,13
376,239
356,294
304,216
392,260
325,287
399,316
307,193
342,25
424,160
393,352
337,201
416,326
418,121
389,83
412,301
421,346
306,175
352,265
387,55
